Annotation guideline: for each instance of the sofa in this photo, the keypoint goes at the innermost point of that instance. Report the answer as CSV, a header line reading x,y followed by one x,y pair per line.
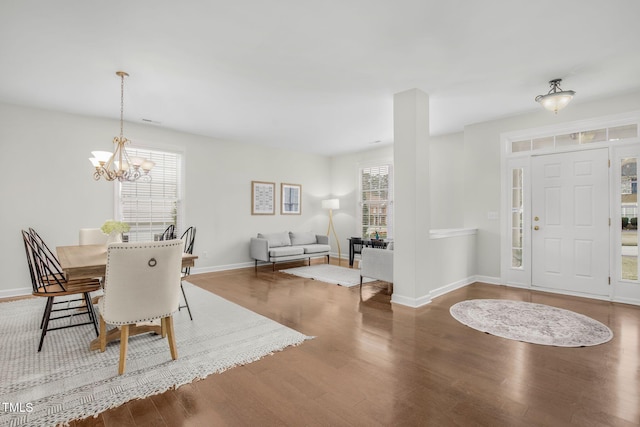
x,y
288,246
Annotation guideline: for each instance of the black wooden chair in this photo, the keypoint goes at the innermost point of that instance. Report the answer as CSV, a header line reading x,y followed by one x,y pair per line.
x,y
48,281
378,243
189,238
169,233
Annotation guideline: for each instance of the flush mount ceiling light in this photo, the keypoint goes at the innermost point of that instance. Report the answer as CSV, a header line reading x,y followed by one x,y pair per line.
x,y
557,98
118,166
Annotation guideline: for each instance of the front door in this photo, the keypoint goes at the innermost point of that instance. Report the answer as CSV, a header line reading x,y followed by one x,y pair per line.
x,y
570,219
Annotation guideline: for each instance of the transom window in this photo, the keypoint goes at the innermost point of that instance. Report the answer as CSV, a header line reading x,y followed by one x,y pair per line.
x,y
616,133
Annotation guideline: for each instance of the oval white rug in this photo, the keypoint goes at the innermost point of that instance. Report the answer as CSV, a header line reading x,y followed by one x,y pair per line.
x,y
530,322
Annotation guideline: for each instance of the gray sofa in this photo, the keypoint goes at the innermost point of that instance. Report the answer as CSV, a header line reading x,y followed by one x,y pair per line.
x,y
288,246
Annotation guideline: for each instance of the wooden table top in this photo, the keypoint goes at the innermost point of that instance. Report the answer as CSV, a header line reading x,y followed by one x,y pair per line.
x,y
87,261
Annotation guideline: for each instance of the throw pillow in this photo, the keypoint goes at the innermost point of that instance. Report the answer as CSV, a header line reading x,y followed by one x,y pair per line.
x,y
276,240
302,238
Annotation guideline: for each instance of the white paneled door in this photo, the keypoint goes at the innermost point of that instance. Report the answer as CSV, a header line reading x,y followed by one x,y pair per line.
x,y
570,220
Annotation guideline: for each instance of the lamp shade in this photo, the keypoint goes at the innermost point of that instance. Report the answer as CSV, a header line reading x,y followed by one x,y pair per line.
x,y
331,204
556,101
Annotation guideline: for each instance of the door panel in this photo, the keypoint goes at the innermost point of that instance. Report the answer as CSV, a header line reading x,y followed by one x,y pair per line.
x,y
570,211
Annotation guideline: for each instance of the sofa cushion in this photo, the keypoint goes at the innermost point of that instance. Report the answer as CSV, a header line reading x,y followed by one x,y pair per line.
x,y
276,240
286,251
302,238
314,249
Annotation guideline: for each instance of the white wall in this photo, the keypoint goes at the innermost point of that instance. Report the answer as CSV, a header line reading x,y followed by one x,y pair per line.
x,y
344,186
447,180
48,185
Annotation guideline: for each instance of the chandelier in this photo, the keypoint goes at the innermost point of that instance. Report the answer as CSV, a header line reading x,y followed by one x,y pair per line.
x,y
557,98
118,165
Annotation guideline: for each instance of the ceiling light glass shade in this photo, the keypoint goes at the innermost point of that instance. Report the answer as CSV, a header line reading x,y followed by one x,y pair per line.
x,y
557,98
331,204
118,165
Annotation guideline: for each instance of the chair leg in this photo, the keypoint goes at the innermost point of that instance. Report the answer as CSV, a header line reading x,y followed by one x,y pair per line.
x,y
103,335
186,302
91,312
47,315
361,283
124,343
171,337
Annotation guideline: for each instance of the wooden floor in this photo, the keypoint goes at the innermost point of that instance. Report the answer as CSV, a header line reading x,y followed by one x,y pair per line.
x,y
374,363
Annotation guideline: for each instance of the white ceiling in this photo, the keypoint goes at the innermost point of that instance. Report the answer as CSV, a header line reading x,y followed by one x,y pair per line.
x,y
311,76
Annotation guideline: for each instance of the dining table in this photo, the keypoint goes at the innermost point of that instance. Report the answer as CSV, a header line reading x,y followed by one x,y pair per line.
x,y
90,261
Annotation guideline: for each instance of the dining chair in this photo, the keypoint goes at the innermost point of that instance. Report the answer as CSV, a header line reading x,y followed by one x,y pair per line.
x,y
141,285
356,243
44,249
169,233
188,238
48,281
92,236
378,243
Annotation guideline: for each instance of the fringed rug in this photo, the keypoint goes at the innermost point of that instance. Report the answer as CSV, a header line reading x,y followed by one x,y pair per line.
x,y
529,322
67,381
330,273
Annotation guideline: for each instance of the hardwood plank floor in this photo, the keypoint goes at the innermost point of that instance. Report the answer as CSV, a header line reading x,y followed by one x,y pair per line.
x,y
373,363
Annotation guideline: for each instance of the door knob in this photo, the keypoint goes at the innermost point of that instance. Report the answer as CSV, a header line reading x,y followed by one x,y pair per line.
x,y
536,218
536,228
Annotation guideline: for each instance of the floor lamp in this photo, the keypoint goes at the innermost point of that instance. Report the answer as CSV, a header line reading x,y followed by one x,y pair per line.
x,y
332,204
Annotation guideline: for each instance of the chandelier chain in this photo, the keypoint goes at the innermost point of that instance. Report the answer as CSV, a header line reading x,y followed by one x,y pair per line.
x,y
121,105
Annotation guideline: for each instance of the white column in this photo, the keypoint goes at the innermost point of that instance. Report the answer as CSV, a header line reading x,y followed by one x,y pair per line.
x,y
411,209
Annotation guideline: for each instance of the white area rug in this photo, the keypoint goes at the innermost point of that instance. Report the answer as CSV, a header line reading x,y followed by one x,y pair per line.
x,y
529,322
67,381
329,273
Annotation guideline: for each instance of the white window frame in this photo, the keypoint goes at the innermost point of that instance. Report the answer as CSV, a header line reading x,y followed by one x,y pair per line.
x,y
361,167
180,175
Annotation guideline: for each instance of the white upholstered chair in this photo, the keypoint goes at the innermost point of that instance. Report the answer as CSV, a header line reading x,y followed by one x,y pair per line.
x,y
92,236
377,264
142,284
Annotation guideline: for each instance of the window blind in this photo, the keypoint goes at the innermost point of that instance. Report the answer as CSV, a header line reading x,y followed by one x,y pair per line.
x,y
150,207
375,191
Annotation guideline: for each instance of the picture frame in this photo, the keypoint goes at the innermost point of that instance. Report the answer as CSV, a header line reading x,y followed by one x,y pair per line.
x,y
263,198
290,199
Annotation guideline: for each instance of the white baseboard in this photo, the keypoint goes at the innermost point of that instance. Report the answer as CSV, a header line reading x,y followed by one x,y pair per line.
x,y
213,269
426,299
17,292
624,300
452,287
410,302
488,279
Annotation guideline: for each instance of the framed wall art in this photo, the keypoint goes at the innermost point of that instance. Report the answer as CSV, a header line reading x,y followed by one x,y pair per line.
x,y
291,199
263,198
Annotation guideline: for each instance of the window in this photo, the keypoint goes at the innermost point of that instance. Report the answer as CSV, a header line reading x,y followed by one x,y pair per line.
x,y
516,217
614,133
150,207
376,201
629,219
